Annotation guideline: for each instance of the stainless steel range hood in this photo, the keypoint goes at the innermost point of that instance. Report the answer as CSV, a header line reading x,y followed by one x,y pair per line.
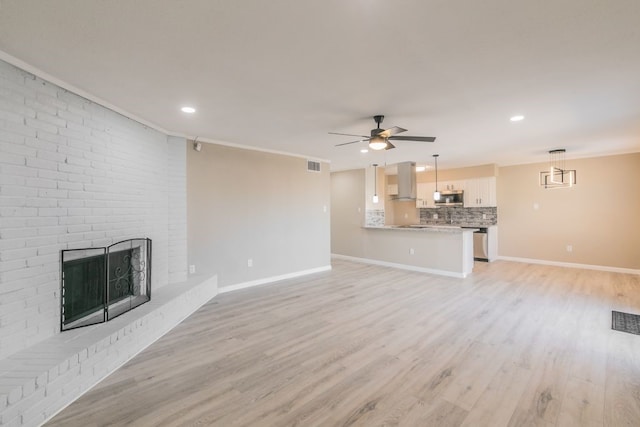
x,y
406,182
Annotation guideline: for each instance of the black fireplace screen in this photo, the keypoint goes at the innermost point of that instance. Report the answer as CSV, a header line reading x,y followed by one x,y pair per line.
x,y
99,284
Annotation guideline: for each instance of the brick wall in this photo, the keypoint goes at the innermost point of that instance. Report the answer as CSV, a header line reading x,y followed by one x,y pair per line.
x,y
74,174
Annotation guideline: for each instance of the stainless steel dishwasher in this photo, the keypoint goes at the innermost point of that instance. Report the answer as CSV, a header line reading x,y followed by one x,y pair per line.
x,y
481,245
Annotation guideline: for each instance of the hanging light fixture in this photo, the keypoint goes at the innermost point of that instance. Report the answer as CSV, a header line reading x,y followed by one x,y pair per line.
x,y
557,176
375,183
436,194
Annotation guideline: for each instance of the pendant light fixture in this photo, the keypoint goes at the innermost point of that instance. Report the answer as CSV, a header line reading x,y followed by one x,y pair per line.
x,y
375,183
557,176
436,194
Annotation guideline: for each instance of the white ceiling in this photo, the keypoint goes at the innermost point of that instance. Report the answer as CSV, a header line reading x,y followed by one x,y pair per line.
x,y
280,74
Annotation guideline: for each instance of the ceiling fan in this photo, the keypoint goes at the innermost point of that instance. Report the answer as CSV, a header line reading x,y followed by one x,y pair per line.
x,y
380,139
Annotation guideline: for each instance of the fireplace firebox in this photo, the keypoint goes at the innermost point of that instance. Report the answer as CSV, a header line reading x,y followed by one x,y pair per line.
x,y
99,284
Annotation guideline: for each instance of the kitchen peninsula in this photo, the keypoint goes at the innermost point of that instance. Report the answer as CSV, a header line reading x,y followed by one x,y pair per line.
x,y
445,250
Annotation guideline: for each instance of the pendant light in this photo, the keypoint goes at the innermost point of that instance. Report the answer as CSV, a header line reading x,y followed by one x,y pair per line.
x,y
436,194
375,183
557,176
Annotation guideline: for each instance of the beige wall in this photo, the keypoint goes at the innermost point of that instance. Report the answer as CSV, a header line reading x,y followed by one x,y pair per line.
x,y
245,204
458,174
347,212
598,216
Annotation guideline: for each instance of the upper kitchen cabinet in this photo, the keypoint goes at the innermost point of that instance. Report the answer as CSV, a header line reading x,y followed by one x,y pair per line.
x,y
451,185
480,192
424,195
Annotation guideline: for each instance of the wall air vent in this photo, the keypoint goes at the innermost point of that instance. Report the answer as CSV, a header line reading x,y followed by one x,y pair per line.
x,y
313,166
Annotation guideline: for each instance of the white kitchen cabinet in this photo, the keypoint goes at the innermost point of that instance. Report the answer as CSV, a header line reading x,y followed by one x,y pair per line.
x,y
480,192
424,195
451,185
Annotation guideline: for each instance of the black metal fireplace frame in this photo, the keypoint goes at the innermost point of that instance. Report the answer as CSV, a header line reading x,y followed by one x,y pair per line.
x,y
108,309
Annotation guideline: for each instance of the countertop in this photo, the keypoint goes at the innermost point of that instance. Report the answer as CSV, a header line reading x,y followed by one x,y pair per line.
x,y
423,228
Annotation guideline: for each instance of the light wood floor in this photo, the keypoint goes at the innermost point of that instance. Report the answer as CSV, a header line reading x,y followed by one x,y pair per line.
x,y
513,345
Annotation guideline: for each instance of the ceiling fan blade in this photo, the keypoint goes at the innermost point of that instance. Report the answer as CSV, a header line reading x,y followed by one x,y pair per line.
x,y
414,138
352,142
391,131
348,134
389,146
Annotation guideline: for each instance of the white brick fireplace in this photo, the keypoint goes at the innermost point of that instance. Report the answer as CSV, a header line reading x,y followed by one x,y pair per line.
x,y
74,174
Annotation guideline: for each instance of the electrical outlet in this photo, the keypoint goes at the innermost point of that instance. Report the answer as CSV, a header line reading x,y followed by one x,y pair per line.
x,y
250,262
406,216
192,269
435,216
569,248
484,216
324,208
412,251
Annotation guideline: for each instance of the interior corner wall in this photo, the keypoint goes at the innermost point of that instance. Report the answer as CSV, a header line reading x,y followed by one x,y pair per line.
x,y
597,218
74,174
249,205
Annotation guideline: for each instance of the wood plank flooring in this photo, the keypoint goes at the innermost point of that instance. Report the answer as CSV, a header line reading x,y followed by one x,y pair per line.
x,y
513,345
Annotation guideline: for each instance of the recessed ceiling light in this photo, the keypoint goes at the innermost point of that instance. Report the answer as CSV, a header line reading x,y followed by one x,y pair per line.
x,y
516,118
364,150
189,110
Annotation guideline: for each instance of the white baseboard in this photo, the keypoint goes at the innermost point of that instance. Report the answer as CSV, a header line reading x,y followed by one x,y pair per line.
x,y
400,266
272,279
571,265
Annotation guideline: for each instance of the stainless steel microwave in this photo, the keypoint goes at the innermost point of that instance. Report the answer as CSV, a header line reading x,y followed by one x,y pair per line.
x,y
451,198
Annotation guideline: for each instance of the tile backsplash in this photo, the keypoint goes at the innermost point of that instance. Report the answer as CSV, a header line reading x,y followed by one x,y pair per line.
x,y
374,217
459,216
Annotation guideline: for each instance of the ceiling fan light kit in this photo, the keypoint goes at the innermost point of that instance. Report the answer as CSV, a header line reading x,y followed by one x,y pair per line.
x,y
377,143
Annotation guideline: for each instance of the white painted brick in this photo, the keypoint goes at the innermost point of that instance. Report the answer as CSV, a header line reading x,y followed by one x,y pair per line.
x,y
12,222
34,162
41,183
53,119
51,155
39,106
55,175
78,177
7,244
50,137
12,180
16,149
71,220
73,170
18,233
78,143
20,129
12,202
42,88
52,193
15,190
12,265
36,202
71,203
13,159
63,185
37,124
52,211
72,133
37,242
